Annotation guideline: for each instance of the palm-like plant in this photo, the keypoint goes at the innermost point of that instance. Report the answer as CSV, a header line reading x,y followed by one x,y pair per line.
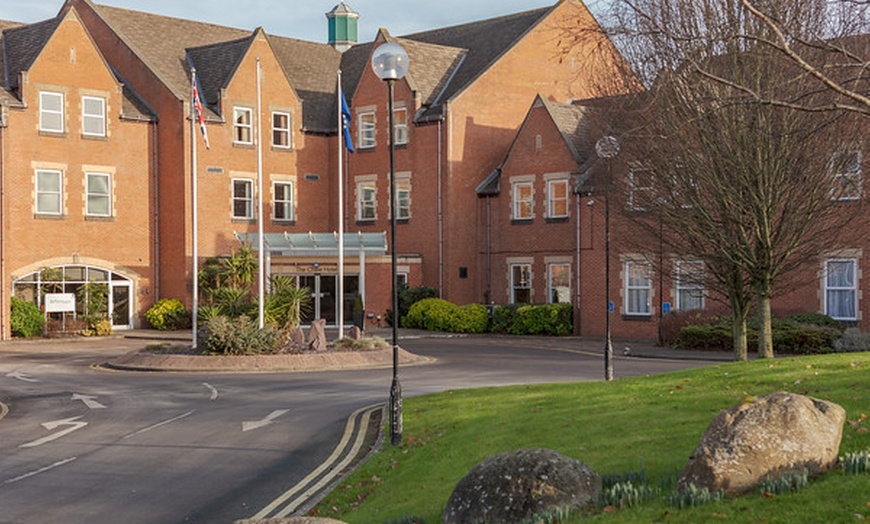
x,y
286,302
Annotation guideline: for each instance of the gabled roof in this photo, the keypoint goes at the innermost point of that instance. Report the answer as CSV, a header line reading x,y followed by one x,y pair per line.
x,y
161,42
573,124
312,70
484,42
216,64
21,47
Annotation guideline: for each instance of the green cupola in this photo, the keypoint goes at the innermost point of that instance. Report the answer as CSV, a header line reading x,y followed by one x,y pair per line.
x,y
342,27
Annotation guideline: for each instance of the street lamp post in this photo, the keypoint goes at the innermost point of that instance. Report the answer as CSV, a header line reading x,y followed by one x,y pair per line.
x,y
607,147
390,63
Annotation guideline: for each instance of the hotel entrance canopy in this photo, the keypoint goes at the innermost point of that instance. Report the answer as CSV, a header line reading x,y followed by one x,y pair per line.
x,y
316,244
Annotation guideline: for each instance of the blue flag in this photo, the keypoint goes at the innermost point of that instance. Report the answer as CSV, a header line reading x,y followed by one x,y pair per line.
x,y
345,123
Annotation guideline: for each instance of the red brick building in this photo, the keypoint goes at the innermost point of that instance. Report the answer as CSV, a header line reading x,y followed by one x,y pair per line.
x,y
96,150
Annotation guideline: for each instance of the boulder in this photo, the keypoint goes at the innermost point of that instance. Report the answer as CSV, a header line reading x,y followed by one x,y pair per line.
x,y
298,336
513,486
317,335
354,333
766,436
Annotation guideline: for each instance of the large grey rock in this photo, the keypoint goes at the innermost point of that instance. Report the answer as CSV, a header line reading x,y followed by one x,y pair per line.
x,y
317,335
769,435
513,486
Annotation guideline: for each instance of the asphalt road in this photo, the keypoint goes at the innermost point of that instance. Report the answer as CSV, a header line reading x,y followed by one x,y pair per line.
x,y
84,445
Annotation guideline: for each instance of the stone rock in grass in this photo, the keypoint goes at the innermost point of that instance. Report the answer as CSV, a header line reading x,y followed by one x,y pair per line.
x,y
766,436
515,485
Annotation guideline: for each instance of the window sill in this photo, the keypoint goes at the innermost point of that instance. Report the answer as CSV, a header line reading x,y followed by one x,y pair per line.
x,y
94,218
97,138
243,145
284,221
366,222
282,149
52,134
46,216
249,221
522,221
557,220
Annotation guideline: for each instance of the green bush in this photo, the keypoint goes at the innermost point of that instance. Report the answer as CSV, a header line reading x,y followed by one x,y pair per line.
x,y
97,326
852,340
708,337
789,336
237,336
815,319
544,319
436,314
26,319
168,314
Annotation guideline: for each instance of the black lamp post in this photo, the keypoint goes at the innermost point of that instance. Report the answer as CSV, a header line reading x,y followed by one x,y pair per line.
x,y
390,63
607,147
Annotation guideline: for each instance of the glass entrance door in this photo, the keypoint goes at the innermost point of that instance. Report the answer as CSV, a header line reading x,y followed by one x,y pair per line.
x,y
324,302
120,305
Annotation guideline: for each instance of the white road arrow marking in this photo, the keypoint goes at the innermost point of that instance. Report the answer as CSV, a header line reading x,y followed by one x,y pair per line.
x,y
248,426
73,423
88,400
214,391
21,376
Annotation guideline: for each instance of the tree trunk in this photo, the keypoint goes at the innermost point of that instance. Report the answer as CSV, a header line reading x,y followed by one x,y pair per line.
x,y
765,330
738,330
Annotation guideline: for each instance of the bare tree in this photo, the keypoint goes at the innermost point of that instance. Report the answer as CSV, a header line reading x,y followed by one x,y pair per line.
x,y
826,41
743,184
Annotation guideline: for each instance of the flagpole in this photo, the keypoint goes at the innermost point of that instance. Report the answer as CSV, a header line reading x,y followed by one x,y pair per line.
x,y
261,270
340,211
193,195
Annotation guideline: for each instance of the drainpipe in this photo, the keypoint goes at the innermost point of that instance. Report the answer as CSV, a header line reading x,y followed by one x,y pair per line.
x,y
577,324
155,285
441,151
5,312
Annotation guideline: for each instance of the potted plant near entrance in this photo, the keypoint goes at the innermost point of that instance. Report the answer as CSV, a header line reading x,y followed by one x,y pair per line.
x,y
359,312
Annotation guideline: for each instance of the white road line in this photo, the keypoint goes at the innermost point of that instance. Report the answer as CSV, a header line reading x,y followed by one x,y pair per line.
x,y
40,470
160,424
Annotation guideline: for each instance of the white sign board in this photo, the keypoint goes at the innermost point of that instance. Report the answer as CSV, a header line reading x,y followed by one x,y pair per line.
x,y
59,302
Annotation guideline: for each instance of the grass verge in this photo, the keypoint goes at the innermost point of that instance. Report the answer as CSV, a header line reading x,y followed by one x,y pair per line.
x,y
650,423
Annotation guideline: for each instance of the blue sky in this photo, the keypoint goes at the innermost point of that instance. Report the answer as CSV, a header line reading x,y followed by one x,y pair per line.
x,y
302,19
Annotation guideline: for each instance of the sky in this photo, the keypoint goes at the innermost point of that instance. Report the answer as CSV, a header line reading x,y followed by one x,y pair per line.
x,y
303,19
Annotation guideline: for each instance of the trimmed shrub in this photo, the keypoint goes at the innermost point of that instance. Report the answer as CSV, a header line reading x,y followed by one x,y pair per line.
x,y
26,319
168,314
97,326
852,340
815,319
544,319
708,337
436,314
237,336
802,339
471,318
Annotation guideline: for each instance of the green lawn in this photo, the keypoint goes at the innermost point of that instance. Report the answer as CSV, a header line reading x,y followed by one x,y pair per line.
x,y
650,423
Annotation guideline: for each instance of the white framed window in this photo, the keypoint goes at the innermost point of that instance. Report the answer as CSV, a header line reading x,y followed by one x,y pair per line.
x,y
243,126
282,205
846,170
640,188
557,198
521,283
400,126
403,198
366,201
93,116
559,283
638,288
49,192
282,136
690,284
243,198
51,112
841,288
366,130
522,195
98,187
